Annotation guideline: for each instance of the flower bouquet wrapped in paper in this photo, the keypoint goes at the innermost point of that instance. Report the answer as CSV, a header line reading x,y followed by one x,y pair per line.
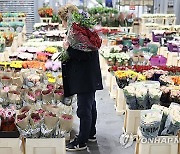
x,y
4,96
49,126
150,123
47,96
30,98
22,123
35,122
172,125
81,36
58,94
130,94
15,98
154,96
66,122
7,117
5,80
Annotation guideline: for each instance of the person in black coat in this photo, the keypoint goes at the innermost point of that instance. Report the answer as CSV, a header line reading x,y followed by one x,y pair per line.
x,y
82,76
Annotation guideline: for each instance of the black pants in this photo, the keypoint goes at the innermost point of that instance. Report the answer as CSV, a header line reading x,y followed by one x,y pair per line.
x,y
88,114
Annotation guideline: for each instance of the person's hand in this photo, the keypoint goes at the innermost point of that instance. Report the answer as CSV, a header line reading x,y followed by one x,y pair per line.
x,y
65,45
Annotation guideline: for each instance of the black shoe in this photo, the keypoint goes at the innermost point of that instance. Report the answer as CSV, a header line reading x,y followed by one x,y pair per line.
x,y
75,146
92,139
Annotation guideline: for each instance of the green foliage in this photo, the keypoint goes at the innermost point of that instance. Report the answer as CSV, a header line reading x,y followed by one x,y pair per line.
x,y
56,19
102,10
84,21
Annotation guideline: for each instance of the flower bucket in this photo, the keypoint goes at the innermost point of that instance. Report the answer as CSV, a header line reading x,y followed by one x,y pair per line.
x,y
157,37
158,60
172,47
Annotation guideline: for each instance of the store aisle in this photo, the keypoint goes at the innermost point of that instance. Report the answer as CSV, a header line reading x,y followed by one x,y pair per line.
x,y
109,128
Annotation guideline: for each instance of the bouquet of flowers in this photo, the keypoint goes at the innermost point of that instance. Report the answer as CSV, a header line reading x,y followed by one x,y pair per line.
x,y
165,111
154,96
7,117
130,94
166,80
172,125
142,97
81,36
150,123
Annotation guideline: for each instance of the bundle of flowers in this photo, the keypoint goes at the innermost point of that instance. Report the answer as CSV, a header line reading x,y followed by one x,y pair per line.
x,y
130,95
127,76
166,80
150,123
154,74
172,124
43,123
7,119
81,36
45,12
154,96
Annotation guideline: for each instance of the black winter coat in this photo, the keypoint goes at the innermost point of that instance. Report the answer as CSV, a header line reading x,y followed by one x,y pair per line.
x,y
81,73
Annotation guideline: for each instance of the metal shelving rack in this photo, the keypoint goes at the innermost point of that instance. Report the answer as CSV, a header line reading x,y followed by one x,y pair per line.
x,y
27,6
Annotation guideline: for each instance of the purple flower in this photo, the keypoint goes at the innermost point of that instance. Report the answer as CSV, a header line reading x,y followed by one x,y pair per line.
x,y
84,14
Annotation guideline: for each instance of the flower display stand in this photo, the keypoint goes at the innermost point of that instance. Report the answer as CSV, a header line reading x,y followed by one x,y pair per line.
x,y
45,146
131,121
10,146
120,105
45,20
113,87
108,79
159,148
171,57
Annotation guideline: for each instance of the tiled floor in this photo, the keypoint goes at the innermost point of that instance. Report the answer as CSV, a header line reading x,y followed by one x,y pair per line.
x,y
109,129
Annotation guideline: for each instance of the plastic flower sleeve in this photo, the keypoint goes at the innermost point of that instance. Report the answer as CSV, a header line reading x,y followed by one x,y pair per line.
x,y
35,122
150,123
142,97
172,125
165,111
154,96
129,92
49,126
22,123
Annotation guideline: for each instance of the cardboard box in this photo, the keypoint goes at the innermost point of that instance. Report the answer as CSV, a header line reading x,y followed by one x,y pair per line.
x,y
10,146
45,146
113,87
158,147
120,105
131,121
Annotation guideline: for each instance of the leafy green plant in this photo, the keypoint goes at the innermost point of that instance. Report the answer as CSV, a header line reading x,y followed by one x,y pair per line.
x,y
83,20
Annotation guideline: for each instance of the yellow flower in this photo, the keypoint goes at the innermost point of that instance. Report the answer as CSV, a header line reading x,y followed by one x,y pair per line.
x,y
51,50
52,79
141,77
16,64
